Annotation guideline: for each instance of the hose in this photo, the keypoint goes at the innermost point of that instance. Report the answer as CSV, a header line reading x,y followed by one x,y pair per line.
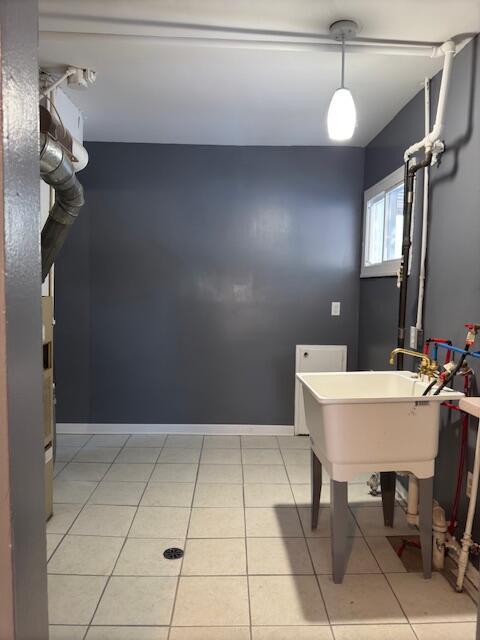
x,y
449,377
454,371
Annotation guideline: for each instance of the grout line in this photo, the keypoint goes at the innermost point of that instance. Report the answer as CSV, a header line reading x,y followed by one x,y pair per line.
x,y
246,549
396,598
311,558
121,549
80,462
209,575
303,536
413,631
364,538
186,539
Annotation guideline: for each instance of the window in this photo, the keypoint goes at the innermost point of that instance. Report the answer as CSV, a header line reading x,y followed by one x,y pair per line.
x,y
383,227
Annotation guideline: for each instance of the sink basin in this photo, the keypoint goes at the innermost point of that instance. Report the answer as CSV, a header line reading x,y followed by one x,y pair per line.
x,y
372,421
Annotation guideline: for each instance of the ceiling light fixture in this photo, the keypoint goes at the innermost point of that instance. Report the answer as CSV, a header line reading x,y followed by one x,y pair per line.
x,y
342,114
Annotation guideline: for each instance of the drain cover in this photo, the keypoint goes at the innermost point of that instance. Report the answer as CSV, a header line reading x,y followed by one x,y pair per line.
x,y
173,553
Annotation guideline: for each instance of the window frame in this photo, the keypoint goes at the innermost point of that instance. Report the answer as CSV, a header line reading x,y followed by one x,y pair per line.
x,y
386,267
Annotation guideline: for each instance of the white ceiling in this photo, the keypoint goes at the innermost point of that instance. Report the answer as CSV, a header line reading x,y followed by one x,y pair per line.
x,y
152,90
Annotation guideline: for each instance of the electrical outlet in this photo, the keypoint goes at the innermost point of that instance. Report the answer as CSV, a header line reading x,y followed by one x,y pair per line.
x,y
469,483
335,308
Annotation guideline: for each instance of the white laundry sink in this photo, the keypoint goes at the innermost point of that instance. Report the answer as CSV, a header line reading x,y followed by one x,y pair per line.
x,y
372,421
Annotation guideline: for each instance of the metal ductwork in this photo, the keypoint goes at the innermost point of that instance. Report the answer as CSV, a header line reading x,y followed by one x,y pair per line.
x,y
57,170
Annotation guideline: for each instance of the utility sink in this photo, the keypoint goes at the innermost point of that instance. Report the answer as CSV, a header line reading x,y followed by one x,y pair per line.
x,y
372,421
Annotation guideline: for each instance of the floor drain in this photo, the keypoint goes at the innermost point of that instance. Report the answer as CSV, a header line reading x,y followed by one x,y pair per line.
x,y
173,553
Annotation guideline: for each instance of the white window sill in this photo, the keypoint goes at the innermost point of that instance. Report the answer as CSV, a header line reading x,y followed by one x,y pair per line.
x,y
385,270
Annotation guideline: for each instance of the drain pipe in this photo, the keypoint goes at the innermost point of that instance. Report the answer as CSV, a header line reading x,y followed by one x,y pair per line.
x,y
469,406
57,170
433,146
431,142
412,500
409,184
423,250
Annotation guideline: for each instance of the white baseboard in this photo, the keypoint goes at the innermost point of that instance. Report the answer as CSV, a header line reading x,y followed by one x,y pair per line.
x,y
203,429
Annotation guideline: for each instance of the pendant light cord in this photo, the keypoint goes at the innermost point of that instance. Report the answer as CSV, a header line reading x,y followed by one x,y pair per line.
x,y
343,63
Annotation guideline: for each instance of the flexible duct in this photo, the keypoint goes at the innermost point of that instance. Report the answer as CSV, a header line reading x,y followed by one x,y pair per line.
x,y
57,170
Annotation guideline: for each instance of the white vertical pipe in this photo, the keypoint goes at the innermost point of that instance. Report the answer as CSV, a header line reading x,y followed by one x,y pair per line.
x,y
467,536
412,499
439,525
423,250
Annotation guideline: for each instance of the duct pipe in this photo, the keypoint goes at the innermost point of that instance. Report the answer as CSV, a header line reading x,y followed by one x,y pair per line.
x,y
57,170
431,140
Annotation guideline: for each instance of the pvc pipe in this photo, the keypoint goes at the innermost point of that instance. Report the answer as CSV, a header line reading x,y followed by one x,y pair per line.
x,y
467,536
412,499
48,90
449,347
81,155
433,137
439,527
423,250
165,26
321,43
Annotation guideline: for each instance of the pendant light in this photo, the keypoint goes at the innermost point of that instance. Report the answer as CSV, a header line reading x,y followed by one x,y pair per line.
x,y
342,114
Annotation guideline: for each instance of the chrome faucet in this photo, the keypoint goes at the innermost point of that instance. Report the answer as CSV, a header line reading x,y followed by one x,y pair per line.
x,y
428,367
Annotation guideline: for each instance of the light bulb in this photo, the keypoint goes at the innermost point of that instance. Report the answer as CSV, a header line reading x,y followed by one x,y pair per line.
x,y
342,115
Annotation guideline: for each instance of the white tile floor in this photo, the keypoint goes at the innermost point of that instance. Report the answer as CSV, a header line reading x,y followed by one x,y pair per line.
x,y
252,570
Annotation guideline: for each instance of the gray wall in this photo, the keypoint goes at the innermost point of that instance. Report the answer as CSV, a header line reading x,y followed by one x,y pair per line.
x,y
72,330
23,571
453,287
206,266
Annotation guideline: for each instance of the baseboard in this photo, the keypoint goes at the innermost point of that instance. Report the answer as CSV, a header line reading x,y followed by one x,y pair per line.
x,y
470,581
202,429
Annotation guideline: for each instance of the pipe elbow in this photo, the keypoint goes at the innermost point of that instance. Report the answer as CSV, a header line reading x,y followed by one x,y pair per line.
x,y
80,160
449,47
434,135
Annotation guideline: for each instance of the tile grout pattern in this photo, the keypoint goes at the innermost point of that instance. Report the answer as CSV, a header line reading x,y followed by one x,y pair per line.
x,y
237,501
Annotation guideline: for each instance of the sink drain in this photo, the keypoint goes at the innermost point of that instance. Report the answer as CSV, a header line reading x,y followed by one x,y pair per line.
x,y
174,553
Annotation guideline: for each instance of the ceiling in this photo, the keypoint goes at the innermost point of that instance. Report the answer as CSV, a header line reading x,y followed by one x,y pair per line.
x,y
171,90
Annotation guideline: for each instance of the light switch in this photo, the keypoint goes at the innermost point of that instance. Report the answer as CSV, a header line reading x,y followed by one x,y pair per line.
x,y
335,308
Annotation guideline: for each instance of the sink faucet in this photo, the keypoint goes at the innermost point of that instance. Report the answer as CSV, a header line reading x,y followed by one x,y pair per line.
x,y
428,367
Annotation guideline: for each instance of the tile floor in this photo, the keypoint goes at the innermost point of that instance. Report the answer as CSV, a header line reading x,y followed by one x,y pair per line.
x,y
252,570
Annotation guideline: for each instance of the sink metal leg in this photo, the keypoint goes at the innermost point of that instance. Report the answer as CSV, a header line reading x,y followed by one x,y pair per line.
x,y
388,481
425,489
339,524
316,488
